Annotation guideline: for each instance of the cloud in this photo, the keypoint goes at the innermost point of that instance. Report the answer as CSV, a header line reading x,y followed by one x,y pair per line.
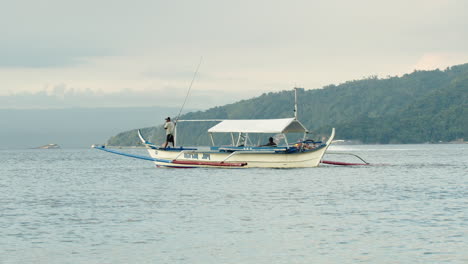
x,y
61,96
47,53
249,47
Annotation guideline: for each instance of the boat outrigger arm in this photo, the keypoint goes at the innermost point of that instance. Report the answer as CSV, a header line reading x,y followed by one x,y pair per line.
x,y
103,148
344,163
146,143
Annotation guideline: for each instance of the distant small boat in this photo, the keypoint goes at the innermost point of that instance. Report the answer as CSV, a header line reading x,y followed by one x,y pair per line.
x,y
49,146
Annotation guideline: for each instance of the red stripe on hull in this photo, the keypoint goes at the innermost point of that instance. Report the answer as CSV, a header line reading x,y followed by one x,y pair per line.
x,y
342,163
210,163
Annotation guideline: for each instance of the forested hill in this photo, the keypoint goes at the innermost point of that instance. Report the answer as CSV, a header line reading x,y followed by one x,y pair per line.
x,y
424,106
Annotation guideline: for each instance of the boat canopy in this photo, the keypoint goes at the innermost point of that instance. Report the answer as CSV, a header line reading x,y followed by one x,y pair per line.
x,y
284,125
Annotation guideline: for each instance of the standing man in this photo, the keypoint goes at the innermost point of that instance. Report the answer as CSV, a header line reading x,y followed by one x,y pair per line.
x,y
169,127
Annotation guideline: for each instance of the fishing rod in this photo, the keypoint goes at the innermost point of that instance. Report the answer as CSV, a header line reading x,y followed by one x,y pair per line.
x,y
188,91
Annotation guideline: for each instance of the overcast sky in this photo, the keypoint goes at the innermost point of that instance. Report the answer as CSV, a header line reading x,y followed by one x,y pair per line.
x,y
151,48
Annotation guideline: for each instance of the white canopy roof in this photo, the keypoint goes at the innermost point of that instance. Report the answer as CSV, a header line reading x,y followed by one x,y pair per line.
x,y
285,125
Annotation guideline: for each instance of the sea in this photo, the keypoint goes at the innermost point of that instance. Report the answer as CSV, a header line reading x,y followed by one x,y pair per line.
x,y
410,205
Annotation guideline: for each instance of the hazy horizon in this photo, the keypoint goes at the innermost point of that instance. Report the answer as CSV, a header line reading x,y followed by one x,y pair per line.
x,y
74,127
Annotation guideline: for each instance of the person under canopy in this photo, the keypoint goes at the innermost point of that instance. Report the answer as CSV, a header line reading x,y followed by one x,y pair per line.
x,y
270,143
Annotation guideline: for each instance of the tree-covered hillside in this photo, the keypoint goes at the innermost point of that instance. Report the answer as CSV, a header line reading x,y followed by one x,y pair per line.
x,y
424,106
441,115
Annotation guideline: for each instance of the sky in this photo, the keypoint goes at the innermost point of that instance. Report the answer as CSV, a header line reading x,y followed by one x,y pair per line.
x,y
60,53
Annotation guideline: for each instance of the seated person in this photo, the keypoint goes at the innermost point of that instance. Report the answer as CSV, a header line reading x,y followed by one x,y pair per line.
x,y
270,143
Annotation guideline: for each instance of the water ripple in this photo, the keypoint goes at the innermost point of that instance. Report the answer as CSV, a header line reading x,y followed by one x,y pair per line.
x,y
84,206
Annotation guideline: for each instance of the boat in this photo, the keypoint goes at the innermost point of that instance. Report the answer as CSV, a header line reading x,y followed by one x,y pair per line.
x,y
49,146
241,153
303,154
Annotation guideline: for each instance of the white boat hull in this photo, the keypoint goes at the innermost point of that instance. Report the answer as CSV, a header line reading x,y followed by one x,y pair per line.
x,y
251,160
246,158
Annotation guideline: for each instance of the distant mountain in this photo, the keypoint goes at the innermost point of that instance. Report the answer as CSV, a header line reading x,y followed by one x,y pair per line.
x,y
73,127
424,106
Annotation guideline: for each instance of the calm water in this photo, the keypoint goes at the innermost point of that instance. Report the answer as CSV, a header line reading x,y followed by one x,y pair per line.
x,y
88,206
